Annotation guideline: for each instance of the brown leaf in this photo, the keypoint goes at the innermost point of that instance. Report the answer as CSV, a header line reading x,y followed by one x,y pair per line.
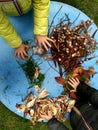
x,y
78,70
60,80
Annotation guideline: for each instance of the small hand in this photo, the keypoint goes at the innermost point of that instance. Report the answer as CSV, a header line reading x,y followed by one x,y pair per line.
x,y
21,52
46,116
43,40
74,82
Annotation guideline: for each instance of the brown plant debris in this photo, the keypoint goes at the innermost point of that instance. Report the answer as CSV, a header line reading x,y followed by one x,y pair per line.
x,y
72,45
41,104
84,75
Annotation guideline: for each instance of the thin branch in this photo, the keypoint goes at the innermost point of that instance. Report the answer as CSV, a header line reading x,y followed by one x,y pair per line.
x,y
53,20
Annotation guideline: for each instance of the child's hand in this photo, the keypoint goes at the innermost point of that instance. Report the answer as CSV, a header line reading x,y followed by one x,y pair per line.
x,y
43,40
21,52
74,82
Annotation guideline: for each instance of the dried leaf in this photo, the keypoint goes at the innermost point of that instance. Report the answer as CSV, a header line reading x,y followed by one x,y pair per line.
x,y
43,94
60,80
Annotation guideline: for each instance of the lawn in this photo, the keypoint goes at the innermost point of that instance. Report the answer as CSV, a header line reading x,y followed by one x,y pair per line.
x,y
10,121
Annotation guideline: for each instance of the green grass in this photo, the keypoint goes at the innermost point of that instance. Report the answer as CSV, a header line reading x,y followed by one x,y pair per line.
x,y
89,7
10,121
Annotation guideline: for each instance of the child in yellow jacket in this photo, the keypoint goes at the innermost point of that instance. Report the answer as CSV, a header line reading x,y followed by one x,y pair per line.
x,y
17,8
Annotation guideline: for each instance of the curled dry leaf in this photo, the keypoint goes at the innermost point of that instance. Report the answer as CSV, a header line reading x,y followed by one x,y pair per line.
x,y
62,99
71,104
43,94
21,107
29,98
32,112
31,103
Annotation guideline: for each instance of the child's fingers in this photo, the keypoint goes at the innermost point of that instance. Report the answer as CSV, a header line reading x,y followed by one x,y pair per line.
x,y
74,82
77,80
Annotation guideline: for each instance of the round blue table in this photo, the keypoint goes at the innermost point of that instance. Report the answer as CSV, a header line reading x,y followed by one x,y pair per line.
x,y
13,82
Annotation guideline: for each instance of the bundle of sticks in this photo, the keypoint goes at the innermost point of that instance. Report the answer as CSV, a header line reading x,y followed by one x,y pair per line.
x,y
72,45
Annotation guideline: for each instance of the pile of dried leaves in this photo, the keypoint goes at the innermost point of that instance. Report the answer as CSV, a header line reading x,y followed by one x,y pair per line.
x,y
41,104
73,45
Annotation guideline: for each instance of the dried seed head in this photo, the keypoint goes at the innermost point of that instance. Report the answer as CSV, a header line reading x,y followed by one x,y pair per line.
x,y
81,62
76,44
54,29
59,59
52,37
64,49
85,42
64,28
70,43
78,53
78,37
67,51
75,49
74,54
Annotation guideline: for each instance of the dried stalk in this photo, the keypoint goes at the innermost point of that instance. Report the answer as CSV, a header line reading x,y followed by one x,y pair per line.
x,y
72,46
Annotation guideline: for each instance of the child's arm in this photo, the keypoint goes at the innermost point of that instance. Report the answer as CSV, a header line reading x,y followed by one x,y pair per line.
x,y
88,93
8,32
41,14
84,92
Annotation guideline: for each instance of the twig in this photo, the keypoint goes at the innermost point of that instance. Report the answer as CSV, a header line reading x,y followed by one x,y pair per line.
x,y
53,20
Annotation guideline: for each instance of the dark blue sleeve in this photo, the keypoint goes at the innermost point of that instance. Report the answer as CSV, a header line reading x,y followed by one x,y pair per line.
x,y
85,92
54,124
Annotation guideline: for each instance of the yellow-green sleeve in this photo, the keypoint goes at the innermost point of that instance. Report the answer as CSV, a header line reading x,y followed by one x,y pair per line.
x,y
8,32
41,13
